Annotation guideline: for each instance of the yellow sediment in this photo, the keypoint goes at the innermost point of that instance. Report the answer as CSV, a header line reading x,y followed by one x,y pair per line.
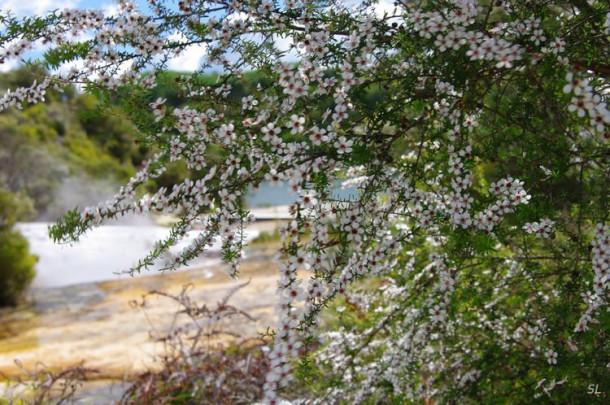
x,y
112,336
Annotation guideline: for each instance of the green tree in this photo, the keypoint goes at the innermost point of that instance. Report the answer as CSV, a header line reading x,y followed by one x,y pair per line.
x,y
16,263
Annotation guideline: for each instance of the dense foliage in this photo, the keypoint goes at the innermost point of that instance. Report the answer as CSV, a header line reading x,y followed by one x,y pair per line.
x,y
16,263
472,266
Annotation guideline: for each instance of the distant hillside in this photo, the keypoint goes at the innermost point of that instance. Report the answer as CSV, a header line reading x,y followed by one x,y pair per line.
x,y
73,150
65,145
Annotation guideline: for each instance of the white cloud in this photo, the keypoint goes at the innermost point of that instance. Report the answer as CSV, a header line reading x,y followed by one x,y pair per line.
x,y
32,7
189,59
284,44
110,10
385,6
10,65
382,6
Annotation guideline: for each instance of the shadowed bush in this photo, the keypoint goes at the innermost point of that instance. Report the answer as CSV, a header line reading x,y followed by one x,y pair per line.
x,y
16,263
16,266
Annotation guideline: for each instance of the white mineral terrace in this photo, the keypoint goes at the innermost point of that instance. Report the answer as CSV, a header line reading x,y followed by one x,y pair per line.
x,y
271,213
104,253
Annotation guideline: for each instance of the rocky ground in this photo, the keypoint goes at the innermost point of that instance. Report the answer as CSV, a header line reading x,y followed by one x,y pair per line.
x,y
98,323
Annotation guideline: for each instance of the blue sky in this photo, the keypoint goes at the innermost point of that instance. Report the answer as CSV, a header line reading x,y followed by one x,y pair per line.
x,y
33,7
187,61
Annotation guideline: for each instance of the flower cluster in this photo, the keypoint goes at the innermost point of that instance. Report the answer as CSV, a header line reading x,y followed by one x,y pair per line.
x,y
33,94
601,266
585,102
543,229
550,387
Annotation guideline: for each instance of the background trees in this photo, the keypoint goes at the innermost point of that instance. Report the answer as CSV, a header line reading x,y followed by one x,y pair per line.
x,y
473,263
16,264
